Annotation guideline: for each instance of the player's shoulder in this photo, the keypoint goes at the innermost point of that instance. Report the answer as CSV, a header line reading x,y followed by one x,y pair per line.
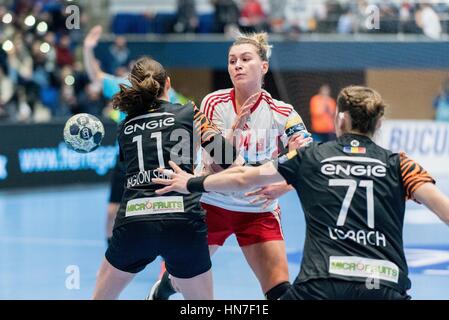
x,y
181,111
222,94
391,158
280,107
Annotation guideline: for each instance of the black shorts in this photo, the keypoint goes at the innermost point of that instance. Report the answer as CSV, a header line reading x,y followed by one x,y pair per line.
x,y
117,182
336,289
182,244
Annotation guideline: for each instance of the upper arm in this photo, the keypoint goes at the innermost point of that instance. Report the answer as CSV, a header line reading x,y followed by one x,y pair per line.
x,y
294,124
413,176
288,166
243,178
262,175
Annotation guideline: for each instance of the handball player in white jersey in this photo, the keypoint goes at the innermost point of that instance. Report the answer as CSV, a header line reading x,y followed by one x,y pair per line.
x,y
256,124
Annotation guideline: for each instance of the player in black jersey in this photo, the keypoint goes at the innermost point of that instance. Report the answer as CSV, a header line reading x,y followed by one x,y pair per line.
x,y
353,194
147,225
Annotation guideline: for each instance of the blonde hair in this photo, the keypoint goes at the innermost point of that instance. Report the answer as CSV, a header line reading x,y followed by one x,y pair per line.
x,y
259,40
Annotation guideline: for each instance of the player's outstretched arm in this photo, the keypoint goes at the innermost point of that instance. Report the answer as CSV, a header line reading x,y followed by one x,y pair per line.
x,y
230,180
90,62
429,195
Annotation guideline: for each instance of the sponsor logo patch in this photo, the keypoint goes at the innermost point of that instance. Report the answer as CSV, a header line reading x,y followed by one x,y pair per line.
x,y
364,267
157,205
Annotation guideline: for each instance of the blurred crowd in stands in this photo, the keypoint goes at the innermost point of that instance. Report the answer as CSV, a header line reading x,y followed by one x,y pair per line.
x,y
41,59
290,17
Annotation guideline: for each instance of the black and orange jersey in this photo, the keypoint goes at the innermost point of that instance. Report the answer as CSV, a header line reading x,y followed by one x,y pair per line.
x,y
353,193
149,141
413,175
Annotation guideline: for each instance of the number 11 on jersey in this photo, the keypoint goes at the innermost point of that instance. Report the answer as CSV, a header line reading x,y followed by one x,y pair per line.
x,y
160,156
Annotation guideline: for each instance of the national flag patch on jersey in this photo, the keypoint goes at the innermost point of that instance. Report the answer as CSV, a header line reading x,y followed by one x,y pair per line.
x,y
349,149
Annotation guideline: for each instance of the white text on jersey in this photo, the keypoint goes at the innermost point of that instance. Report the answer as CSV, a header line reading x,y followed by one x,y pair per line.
x,y
150,125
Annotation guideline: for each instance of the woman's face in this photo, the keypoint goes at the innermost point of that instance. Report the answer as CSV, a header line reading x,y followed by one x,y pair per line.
x,y
245,67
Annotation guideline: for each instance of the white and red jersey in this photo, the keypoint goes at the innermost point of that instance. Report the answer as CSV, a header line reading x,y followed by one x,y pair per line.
x,y
258,142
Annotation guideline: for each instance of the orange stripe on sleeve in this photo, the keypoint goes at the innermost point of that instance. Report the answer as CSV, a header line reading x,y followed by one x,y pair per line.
x,y
413,175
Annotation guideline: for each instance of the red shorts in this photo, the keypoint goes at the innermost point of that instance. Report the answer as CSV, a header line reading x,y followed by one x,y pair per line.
x,y
248,227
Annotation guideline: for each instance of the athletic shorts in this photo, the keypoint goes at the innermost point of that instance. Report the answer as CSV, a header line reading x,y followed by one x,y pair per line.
x,y
182,244
117,182
336,289
248,227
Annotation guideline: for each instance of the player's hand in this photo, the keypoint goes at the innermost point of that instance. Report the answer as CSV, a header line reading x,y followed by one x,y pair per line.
x,y
245,112
177,182
298,141
92,37
268,194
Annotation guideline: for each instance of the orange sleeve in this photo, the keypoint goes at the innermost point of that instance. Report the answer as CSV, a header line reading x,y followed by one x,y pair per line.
x,y
413,175
203,127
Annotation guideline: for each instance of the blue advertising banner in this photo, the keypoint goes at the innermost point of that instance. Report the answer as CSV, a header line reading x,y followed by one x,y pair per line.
x,y
36,155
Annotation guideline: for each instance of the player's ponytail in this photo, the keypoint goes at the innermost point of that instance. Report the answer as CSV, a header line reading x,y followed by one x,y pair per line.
x,y
365,107
147,80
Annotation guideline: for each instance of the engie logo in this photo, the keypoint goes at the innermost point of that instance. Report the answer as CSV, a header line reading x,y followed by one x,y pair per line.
x,y
3,171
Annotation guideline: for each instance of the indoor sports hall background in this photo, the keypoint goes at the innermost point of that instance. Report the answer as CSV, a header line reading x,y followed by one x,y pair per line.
x,y
53,201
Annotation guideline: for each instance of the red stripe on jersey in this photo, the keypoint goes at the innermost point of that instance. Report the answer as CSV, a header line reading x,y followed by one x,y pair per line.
x,y
283,108
234,105
211,110
214,102
254,107
213,97
281,113
275,108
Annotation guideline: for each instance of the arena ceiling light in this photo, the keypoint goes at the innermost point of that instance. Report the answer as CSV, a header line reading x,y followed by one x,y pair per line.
x,y
42,27
30,21
45,47
8,45
7,18
69,80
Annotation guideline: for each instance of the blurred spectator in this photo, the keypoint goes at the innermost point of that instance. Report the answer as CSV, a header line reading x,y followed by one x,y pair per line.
x,y
428,20
300,16
322,112
91,100
407,21
226,15
64,54
187,19
333,11
119,54
346,22
441,103
20,72
388,18
252,17
6,88
277,16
